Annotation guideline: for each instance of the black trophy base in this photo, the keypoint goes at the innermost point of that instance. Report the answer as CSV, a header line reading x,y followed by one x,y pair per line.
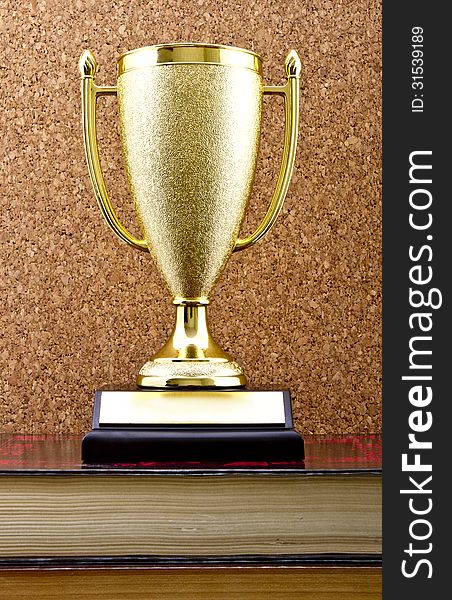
x,y
192,426
206,445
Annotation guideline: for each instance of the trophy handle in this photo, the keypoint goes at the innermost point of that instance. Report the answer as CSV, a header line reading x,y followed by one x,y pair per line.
x,y
290,93
90,93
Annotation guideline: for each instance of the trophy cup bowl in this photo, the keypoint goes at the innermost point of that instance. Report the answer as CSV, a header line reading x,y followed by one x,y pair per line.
x,y
190,123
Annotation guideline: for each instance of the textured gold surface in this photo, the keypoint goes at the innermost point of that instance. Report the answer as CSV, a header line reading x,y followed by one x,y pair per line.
x,y
190,135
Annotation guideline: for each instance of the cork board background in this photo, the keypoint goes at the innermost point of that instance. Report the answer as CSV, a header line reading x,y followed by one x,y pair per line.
x,y
79,309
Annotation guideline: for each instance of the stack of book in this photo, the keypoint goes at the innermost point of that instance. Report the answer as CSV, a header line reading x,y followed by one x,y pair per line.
x,y
191,530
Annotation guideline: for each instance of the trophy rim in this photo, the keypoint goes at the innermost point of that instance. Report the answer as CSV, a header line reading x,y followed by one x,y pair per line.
x,y
189,53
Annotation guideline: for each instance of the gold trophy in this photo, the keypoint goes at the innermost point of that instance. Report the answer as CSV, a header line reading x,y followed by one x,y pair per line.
x,y
190,121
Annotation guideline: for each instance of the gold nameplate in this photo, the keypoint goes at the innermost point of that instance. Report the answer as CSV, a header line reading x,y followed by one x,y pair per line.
x,y
149,407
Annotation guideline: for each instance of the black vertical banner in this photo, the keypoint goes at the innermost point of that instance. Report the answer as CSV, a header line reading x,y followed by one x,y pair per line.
x,y
416,299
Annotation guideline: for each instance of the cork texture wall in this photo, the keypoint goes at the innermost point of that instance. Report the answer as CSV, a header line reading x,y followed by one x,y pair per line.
x,y
300,310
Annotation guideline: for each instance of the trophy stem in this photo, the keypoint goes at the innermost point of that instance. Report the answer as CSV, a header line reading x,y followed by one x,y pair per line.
x,y
191,357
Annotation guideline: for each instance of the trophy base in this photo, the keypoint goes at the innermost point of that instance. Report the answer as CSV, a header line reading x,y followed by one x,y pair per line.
x,y
219,446
192,426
